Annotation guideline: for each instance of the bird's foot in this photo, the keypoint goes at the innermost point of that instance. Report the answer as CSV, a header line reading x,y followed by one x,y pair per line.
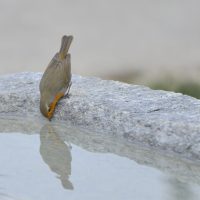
x,y
67,96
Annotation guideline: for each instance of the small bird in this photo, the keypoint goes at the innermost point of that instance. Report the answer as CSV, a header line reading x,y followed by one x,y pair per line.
x,y
56,80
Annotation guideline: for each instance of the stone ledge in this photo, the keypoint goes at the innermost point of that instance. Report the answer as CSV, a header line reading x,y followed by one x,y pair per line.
x,y
160,119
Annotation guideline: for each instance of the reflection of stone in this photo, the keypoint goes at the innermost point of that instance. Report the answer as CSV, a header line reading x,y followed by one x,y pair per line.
x,y
56,154
179,190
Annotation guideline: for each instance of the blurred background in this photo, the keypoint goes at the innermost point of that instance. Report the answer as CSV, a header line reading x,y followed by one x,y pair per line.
x,y
150,42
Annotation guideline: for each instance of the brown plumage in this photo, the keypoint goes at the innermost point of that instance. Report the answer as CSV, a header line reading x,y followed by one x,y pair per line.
x,y
56,80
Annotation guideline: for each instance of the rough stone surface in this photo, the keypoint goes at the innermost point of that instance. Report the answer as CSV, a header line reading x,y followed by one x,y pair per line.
x,y
162,120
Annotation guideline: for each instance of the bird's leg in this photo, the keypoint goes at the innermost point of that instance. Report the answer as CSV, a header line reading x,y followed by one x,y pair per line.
x,y
68,89
53,104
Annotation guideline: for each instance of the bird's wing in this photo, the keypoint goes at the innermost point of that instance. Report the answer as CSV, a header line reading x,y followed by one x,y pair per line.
x,y
55,78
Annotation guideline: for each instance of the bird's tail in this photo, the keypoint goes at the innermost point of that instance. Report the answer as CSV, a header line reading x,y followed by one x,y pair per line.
x,y
65,44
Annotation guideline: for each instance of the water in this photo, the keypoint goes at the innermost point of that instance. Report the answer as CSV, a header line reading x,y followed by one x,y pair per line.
x,y
59,162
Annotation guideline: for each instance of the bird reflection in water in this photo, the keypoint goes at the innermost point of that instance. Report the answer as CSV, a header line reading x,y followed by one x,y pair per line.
x,y
56,154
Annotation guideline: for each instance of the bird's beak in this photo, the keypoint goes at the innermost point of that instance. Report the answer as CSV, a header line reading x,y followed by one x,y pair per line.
x,y
49,116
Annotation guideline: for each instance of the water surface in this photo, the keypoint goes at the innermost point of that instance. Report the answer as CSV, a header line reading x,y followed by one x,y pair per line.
x,y
56,165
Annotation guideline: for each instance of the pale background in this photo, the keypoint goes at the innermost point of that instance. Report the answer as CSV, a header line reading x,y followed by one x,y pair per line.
x,y
112,38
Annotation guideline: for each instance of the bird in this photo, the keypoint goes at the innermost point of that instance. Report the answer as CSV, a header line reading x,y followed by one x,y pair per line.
x,y
56,80
56,153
